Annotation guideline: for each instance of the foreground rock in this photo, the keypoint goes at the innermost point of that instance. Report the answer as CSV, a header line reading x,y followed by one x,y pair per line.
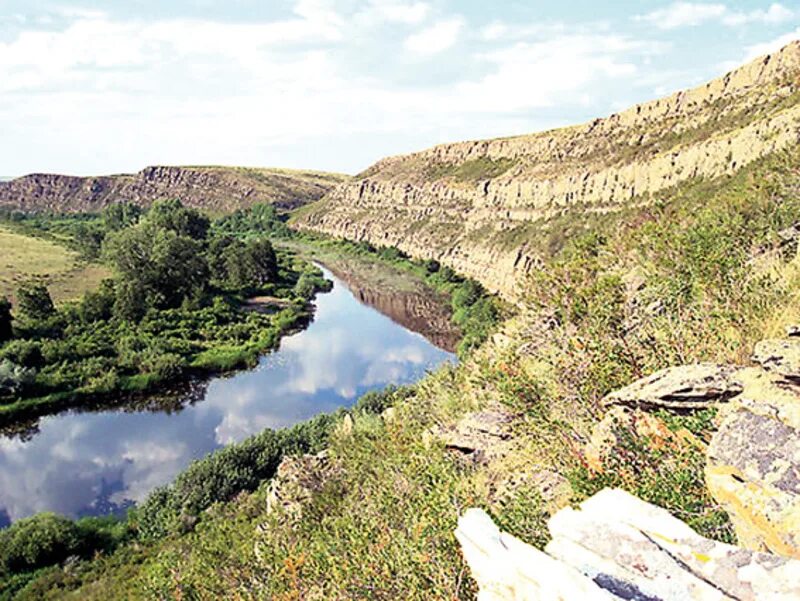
x,y
619,547
780,356
686,387
753,463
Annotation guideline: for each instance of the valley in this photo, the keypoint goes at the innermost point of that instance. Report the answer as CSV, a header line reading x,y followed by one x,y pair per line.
x,y
515,325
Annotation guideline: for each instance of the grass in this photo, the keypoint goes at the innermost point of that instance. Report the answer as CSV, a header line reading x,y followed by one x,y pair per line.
x,y
382,526
65,273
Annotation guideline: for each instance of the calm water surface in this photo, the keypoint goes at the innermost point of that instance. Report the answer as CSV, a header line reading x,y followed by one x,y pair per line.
x,y
93,463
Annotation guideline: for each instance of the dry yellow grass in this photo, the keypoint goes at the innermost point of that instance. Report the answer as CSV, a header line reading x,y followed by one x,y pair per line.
x,y
23,257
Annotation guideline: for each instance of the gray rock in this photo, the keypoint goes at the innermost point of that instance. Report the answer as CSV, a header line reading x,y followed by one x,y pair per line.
x,y
686,387
619,547
753,464
481,436
779,356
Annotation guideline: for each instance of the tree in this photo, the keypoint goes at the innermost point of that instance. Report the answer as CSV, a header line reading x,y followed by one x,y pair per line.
x,y
250,265
157,267
172,215
6,332
121,215
34,301
262,262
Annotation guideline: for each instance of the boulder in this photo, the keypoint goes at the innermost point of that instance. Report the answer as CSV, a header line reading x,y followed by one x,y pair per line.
x,y
482,435
793,331
781,356
753,464
296,481
619,547
682,388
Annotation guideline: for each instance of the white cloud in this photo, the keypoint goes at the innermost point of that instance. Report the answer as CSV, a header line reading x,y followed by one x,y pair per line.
x,y
394,12
757,50
684,14
690,14
435,39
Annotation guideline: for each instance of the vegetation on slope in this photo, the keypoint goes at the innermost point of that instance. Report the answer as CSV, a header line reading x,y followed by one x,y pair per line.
x,y
699,276
174,307
67,273
711,277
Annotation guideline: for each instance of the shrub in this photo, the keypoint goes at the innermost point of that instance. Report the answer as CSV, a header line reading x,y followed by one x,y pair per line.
x,y
34,302
38,541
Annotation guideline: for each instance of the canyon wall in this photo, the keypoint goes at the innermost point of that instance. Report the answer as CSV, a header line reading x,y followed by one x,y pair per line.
x,y
214,188
483,207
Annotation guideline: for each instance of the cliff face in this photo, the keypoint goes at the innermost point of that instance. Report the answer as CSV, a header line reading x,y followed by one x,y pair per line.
x,y
482,207
214,188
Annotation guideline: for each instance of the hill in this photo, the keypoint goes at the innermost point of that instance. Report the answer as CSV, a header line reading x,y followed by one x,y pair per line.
x,y
492,209
219,189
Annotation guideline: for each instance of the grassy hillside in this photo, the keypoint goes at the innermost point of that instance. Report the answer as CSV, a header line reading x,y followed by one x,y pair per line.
x,y
700,275
66,274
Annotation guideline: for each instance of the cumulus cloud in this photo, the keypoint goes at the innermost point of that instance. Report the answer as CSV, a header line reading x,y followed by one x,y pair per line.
x,y
690,14
94,91
435,39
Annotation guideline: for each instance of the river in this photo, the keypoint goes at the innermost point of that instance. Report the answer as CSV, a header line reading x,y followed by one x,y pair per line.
x,y
362,338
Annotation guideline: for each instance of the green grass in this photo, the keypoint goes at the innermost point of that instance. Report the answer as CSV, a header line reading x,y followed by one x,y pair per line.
x,y
382,526
65,273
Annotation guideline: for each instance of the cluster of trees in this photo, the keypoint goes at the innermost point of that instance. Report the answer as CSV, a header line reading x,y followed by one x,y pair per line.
x,y
169,257
173,304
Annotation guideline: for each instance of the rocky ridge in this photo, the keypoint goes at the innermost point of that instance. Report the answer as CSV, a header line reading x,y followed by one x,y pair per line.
x,y
214,188
482,207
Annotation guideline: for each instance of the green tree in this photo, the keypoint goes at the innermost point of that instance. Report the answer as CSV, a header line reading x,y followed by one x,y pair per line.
x,y
6,331
34,301
249,265
156,267
172,215
121,215
261,261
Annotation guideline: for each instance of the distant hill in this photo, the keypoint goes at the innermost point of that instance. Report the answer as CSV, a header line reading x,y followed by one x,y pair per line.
x,y
213,188
487,208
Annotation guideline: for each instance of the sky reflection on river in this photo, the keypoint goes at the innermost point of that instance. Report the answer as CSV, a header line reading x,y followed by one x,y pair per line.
x,y
98,463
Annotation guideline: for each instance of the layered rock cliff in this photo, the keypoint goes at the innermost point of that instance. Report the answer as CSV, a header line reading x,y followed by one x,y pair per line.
x,y
213,188
483,207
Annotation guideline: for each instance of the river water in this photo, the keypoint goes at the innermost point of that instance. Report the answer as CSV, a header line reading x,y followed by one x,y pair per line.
x,y
82,463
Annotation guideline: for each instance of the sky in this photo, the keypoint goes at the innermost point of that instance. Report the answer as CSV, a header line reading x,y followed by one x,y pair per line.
x,y
90,87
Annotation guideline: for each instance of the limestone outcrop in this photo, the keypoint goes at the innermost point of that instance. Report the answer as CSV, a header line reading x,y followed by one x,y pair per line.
x,y
780,356
681,388
619,547
481,207
214,188
753,463
296,481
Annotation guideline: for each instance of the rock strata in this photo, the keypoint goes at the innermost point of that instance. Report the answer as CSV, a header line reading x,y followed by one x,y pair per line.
x,y
619,547
213,188
686,387
480,207
780,356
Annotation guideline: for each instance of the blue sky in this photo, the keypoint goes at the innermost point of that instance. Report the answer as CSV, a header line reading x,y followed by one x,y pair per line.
x,y
91,87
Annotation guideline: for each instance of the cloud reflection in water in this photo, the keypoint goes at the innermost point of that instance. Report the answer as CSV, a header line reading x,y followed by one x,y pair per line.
x,y
97,463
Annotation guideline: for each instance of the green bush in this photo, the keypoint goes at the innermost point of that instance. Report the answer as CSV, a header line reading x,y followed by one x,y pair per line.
x,y
38,541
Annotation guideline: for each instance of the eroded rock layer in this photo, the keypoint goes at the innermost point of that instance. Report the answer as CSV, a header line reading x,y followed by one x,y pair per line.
x,y
479,206
214,188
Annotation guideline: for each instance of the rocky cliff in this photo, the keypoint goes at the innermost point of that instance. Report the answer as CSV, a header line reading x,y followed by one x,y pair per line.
x,y
483,207
213,188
